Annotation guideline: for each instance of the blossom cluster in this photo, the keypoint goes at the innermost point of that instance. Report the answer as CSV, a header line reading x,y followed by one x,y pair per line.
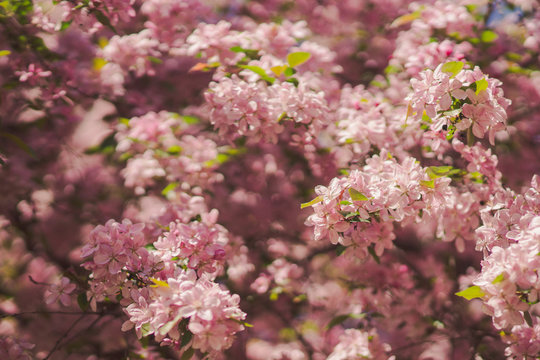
x,y
359,210
164,282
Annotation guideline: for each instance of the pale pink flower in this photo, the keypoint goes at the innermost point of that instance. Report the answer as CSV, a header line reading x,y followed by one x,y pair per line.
x,y
60,292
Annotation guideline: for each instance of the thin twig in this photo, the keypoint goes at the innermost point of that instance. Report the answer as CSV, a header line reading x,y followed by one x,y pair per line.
x,y
56,345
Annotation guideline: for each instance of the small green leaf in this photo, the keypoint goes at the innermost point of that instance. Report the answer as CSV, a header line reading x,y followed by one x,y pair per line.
x,y
345,202
298,58
154,60
145,329
250,53
190,120
318,199
488,36
481,85
371,251
477,177
341,318
435,172
222,158
528,318
472,292
188,354
278,70
337,320
82,300
174,150
124,121
430,184
405,19
4,52
163,330
453,67
340,249
259,71
107,146
274,293
514,56
293,81
65,25
289,71
357,195
20,144
169,188
498,279
186,336
392,69
426,118
102,18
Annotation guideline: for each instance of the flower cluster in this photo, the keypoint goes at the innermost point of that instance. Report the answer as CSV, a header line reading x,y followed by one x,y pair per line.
x,y
160,145
213,313
359,210
451,99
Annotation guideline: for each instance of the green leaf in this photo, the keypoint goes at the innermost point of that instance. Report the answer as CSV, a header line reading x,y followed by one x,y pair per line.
x,y
405,19
435,172
107,146
488,36
340,249
186,338
174,150
293,81
345,202
188,354
274,293
298,58
528,318
169,188
430,184
472,292
453,67
477,177
124,121
259,71
392,69
154,60
337,320
65,25
357,195
289,71
498,279
103,19
371,251
145,329
20,144
169,325
341,318
250,53
190,120
4,52
82,300
481,85
278,70
318,199
426,118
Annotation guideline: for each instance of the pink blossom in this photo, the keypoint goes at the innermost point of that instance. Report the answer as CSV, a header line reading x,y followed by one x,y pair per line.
x,y
60,292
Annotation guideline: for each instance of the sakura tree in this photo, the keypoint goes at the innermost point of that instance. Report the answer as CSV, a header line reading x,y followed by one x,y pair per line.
x,y
294,180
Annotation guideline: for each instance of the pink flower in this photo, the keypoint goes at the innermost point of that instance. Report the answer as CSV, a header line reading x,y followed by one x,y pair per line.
x,y
60,292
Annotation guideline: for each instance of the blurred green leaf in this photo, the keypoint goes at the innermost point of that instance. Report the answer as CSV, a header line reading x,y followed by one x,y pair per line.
x,y
297,58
